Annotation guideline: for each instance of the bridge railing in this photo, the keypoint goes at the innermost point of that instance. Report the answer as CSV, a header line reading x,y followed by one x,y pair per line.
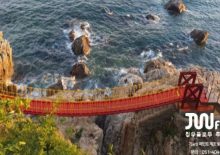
x,y
88,108
120,92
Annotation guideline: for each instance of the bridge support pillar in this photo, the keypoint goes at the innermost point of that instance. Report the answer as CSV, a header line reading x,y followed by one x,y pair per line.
x,y
192,95
187,78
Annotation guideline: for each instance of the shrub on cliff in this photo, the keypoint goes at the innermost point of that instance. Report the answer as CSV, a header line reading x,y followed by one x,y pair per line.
x,y
38,136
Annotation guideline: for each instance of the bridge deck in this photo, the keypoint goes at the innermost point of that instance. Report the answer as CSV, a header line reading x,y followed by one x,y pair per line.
x,y
107,107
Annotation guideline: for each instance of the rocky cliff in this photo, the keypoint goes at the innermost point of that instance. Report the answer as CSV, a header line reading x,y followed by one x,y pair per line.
x,y
158,131
149,132
6,60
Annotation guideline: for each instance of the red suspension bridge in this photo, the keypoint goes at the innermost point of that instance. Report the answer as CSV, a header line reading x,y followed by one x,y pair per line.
x,y
187,95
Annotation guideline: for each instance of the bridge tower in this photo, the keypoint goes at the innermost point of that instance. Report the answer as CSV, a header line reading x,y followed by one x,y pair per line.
x,y
195,97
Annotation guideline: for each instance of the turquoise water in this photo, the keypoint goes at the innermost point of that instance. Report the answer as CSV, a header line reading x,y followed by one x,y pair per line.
x,y
36,30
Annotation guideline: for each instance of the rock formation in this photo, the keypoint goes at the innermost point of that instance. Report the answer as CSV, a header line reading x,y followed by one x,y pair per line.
x,y
175,6
80,38
81,46
158,68
6,60
80,70
63,83
72,36
130,79
121,130
82,131
152,17
85,26
6,68
200,37
154,131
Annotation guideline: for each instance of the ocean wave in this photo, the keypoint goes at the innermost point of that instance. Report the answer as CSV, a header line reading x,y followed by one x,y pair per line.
x,y
150,55
76,26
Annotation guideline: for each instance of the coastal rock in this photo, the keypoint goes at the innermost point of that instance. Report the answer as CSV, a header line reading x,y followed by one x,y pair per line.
x,y
63,83
72,35
133,81
59,85
6,61
127,133
54,89
85,26
80,70
81,46
158,68
152,17
175,6
133,70
200,37
130,79
82,131
113,125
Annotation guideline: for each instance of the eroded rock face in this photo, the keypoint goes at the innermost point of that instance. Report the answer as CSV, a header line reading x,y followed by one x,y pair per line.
x,y
82,131
80,70
6,60
200,37
175,6
153,131
113,131
159,68
81,46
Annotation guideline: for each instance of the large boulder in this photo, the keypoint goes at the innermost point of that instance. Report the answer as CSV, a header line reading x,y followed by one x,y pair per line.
x,y
81,46
158,68
6,60
200,37
175,6
63,83
55,88
152,17
130,79
80,70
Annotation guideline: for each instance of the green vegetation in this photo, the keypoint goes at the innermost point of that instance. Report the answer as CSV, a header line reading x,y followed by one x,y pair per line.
x,y
22,135
110,149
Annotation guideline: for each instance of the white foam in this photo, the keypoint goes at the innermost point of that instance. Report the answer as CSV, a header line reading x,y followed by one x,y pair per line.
x,y
183,49
171,44
76,27
69,45
68,82
159,55
82,59
123,71
150,54
108,11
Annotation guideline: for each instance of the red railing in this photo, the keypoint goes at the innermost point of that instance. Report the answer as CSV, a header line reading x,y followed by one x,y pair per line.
x,y
38,107
188,93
